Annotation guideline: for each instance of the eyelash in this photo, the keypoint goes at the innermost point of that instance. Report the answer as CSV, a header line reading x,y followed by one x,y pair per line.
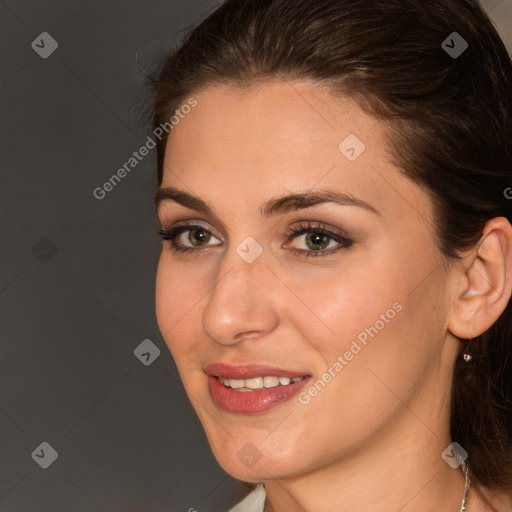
x,y
173,233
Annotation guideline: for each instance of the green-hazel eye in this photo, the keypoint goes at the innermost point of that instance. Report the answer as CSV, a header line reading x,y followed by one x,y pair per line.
x,y
201,235
318,240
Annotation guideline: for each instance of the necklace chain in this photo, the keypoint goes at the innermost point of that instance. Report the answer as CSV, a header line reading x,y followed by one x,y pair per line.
x,y
465,470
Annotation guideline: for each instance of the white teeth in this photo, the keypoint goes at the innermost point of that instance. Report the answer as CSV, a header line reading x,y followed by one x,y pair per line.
x,y
236,383
255,383
258,382
270,382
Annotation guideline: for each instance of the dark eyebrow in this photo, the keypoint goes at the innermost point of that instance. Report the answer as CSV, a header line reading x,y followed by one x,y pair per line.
x,y
273,207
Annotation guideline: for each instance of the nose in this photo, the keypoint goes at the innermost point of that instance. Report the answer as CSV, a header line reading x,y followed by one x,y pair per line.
x,y
241,303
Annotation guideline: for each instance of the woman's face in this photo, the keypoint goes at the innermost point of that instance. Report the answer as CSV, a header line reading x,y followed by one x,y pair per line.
x,y
362,313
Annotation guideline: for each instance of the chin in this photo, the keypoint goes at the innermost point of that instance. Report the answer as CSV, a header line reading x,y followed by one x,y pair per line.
x,y
248,477
248,465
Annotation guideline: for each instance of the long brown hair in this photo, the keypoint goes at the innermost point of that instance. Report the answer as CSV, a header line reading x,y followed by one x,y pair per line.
x,y
450,129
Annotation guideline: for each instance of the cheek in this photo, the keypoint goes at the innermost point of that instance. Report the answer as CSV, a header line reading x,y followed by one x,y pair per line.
x,y
385,329
164,298
344,304
176,305
385,300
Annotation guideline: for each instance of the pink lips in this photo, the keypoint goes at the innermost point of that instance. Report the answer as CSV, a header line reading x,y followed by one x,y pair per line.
x,y
251,402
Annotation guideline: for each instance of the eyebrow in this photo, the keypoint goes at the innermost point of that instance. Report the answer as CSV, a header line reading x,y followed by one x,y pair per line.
x,y
284,204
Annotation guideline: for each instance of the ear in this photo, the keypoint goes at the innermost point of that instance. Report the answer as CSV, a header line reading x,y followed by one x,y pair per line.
x,y
485,281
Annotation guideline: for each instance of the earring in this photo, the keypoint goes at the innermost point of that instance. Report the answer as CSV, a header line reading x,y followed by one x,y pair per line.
x,y
467,357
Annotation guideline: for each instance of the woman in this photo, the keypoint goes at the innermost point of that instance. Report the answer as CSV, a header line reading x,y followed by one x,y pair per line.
x,y
334,195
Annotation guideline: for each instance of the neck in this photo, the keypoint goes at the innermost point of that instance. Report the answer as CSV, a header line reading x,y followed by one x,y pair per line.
x,y
376,488
403,471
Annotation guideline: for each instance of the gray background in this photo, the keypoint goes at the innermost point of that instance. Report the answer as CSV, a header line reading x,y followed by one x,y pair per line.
x,y
77,273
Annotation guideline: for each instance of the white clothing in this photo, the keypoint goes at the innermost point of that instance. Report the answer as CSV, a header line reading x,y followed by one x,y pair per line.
x,y
253,502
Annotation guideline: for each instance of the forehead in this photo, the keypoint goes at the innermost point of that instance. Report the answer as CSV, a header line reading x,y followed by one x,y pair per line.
x,y
271,119
277,137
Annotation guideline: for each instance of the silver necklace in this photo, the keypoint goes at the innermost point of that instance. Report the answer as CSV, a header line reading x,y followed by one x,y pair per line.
x,y
465,471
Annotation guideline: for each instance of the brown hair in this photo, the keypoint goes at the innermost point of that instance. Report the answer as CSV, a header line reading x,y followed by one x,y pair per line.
x,y
450,129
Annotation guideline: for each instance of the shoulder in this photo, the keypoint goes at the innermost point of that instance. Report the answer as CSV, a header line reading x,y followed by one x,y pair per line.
x,y
253,502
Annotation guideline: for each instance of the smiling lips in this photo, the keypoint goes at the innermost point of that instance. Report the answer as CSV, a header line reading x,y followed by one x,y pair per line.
x,y
253,388
249,371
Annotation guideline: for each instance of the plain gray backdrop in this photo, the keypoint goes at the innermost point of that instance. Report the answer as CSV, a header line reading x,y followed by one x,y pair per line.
x,y
77,273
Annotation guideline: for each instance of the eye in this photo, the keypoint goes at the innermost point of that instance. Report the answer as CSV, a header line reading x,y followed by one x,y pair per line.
x,y
198,236
318,238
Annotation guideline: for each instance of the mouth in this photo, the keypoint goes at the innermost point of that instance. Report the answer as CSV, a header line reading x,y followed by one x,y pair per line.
x,y
260,382
252,389
252,371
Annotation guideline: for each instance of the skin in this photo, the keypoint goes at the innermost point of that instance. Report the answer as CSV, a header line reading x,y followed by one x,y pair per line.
x,y
372,439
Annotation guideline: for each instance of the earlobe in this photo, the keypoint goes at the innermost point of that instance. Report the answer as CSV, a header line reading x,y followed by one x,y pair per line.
x,y
487,282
